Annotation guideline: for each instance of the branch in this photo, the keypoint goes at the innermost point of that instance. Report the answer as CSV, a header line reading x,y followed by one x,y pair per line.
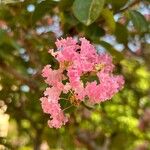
x,y
4,143
86,106
33,57
129,6
8,69
84,138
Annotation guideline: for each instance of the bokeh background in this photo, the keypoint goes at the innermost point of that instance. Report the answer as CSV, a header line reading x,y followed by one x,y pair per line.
x,y
29,28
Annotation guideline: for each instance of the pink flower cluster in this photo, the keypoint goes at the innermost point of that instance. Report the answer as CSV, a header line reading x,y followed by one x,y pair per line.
x,y
80,61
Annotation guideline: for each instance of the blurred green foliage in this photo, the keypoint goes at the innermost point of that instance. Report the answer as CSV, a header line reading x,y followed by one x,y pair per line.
x,y
29,28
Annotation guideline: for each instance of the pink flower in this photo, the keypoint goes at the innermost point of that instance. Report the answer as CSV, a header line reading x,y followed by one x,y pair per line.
x,y
50,107
78,64
88,50
109,85
106,61
52,94
92,92
46,71
57,118
52,76
58,121
67,49
65,42
67,87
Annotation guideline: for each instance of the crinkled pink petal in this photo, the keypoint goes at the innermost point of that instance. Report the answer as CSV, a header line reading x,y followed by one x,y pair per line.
x,y
58,121
106,61
52,94
67,87
77,60
46,71
54,77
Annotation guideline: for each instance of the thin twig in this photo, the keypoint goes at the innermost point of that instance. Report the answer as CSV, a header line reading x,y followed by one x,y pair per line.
x,y
65,99
67,107
8,69
86,106
129,6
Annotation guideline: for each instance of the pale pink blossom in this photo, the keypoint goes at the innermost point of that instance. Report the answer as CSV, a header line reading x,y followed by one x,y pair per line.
x,y
53,108
52,77
106,61
58,120
77,61
52,94
67,87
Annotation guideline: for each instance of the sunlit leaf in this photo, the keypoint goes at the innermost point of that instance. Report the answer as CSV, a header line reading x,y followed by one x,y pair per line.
x,y
117,4
109,19
9,1
87,11
138,21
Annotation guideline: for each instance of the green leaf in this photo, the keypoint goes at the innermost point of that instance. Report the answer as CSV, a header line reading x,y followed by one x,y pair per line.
x,y
89,78
42,8
138,20
65,4
94,32
109,19
87,11
69,19
118,55
121,33
5,39
147,0
8,1
66,105
117,4
2,36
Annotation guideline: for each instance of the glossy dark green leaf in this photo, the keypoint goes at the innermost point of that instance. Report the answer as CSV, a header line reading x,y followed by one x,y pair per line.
x,y
138,21
87,11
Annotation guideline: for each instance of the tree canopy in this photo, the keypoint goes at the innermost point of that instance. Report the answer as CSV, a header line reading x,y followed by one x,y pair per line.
x,y
29,28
